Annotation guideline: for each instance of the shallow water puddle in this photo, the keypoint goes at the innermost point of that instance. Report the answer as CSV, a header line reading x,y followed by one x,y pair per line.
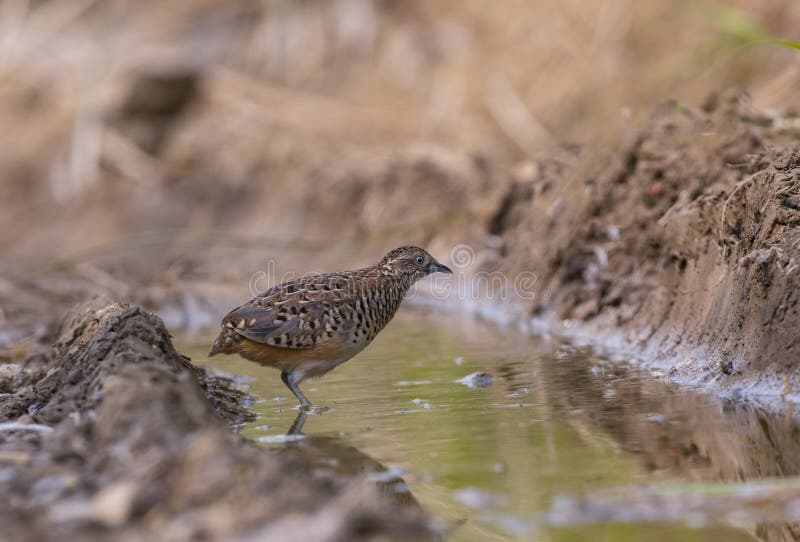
x,y
521,439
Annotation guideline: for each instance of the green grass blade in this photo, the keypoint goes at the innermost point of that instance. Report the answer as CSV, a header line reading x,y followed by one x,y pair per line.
x,y
789,43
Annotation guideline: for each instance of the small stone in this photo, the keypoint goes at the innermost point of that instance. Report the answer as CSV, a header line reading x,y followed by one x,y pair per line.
x,y
792,202
476,380
112,505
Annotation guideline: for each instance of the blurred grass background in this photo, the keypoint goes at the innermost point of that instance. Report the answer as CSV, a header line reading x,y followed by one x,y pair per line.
x,y
126,117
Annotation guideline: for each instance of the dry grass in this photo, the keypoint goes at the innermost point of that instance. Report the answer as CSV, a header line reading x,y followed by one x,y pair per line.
x,y
507,79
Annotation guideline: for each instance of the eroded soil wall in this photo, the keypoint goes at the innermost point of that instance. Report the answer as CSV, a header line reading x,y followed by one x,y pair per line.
x,y
685,241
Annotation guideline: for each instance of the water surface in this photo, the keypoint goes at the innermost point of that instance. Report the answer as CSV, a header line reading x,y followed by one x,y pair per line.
x,y
549,443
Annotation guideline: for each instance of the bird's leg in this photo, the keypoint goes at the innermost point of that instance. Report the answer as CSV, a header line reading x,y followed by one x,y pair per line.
x,y
288,379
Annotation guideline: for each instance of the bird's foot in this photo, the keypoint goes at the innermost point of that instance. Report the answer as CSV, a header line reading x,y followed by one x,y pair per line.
x,y
311,408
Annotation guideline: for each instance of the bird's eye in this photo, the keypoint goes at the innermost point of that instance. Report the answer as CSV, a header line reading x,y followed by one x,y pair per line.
x,y
420,260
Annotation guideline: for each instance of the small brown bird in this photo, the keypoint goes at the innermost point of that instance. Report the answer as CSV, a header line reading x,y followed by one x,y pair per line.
x,y
307,327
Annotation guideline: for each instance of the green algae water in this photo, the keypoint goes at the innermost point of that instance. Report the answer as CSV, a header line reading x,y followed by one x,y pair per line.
x,y
515,438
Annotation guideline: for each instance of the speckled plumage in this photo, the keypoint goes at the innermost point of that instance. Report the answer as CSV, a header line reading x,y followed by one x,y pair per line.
x,y
309,326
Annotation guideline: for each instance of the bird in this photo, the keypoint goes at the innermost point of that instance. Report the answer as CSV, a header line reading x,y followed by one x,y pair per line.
x,y
307,327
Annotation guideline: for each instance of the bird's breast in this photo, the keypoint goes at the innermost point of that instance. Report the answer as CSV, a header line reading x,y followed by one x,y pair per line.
x,y
371,310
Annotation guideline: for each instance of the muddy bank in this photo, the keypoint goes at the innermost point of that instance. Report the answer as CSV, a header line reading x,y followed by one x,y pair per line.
x,y
111,433
684,243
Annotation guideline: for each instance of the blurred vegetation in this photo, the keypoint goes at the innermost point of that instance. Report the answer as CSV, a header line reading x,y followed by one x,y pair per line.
x,y
129,116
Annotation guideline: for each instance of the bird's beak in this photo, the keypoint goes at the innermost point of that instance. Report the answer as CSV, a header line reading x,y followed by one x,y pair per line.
x,y
436,267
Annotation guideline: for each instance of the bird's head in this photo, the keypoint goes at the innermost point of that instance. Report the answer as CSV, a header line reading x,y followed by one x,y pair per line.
x,y
413,262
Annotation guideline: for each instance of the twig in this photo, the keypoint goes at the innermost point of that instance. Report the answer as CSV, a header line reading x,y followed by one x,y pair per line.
x,y
725,205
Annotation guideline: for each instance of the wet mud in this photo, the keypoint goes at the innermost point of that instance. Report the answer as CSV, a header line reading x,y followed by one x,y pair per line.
x,y
112,433
684,242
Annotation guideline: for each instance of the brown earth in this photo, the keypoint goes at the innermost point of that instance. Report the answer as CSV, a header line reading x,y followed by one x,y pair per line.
x,y
685,240
114,437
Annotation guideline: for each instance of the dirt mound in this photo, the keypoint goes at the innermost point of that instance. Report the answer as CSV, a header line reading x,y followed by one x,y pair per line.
x,y
111,436
686,239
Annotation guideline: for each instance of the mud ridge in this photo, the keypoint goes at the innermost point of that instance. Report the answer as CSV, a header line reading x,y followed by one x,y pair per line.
x,y
691,250
111,434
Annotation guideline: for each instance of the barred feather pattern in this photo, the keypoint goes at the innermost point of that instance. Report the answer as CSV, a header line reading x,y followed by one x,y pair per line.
x,y
347,308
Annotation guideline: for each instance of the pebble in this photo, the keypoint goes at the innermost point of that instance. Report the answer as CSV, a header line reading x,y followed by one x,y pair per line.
x,y
792,202
476,380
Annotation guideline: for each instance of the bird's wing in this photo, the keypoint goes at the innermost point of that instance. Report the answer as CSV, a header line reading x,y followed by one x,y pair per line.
x,y
286,324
